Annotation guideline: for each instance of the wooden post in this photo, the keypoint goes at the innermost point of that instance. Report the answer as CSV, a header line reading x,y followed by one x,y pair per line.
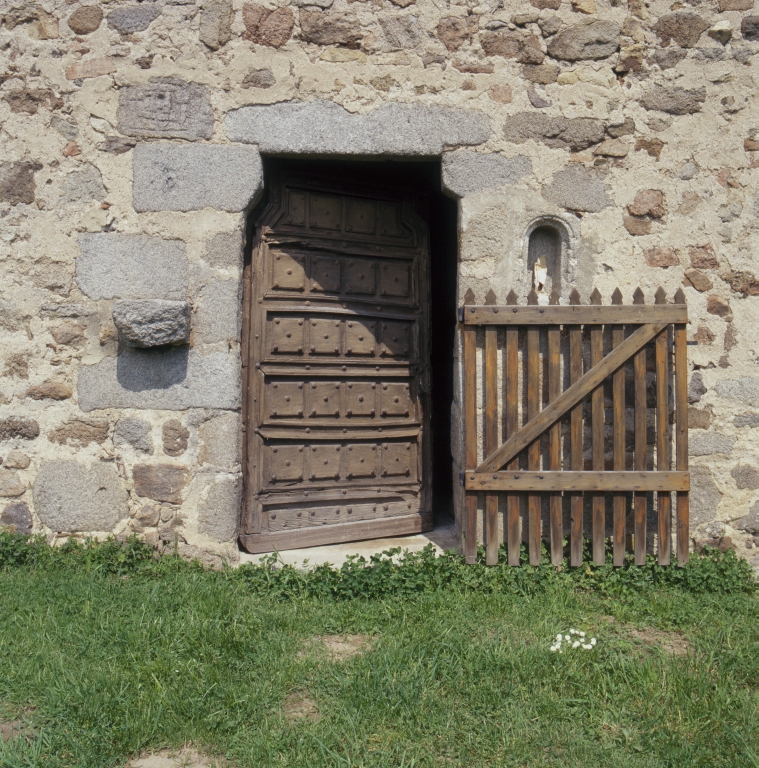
x,y
533,452
490,432
663,436
597,416
554,436
469,362
681,421
575,438
640,502
513,536
618,399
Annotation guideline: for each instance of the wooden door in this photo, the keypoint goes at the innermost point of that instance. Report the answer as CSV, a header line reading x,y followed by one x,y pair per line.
x,y
337,404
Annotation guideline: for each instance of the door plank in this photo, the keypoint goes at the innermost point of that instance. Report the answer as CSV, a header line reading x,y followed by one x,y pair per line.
x,y
575,315
598,500
490,433
584,480
554,438
513,534
681,421
533,451
575,438
469,344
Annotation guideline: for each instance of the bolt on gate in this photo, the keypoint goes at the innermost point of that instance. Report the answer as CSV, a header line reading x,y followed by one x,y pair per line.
x,y
552,340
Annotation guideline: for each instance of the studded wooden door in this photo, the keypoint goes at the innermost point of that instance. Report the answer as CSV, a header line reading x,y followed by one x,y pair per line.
x,y
337,416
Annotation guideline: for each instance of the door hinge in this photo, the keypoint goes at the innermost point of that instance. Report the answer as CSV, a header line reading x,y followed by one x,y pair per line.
x,y
461,314
461,478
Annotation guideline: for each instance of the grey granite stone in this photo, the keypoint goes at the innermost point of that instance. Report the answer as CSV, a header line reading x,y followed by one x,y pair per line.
x,y
67,129
554,131
673,100
152,322
224,249
221,441
168,378
749,522
116,266
688,171
165,108
216,23
696,388
179,177
746,476
219,507
69,496
704,496
18,517
11,484
83,184
465,172
590,39
217,312
705,443
133,18
323,128
401,32
745,389
135,432
259,78
577,189
66,310
746,420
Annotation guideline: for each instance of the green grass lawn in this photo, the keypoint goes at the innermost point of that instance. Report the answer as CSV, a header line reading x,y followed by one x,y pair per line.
x,y
102,667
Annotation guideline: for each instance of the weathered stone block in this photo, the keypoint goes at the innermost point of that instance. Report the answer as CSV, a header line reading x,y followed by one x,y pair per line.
x,y
165,108
133,18
322,127
454,31
466,172
49,390
85,19
746,476
152,323
750,28
673,100
704,496
161,482
267,27
167,378
590,39
224,249
29,100
709,443
83,184
16,460
67,333
648,202
11,484
18,427
577,189
175,437
541,73
221,441
219,507
684,28
716,305
661,256
513,44
747,420
259,78
749,522
558,132
637,227
216,23
401,32
69,496
81,432
217,312
135,432
327,28
18,517
116,266
17,183
176,177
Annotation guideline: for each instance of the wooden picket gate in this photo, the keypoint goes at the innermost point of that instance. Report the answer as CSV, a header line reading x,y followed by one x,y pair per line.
x,y
513,467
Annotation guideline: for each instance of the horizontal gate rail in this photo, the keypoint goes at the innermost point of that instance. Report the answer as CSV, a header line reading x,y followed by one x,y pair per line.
x,y
533,383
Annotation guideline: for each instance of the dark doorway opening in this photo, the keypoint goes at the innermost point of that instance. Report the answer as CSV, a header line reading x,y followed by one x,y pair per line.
x,y
420,181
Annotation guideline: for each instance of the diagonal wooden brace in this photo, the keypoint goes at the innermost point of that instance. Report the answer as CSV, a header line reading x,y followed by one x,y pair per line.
x,y
580,389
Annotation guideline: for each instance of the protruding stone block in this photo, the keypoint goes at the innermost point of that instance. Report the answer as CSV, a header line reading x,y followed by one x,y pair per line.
x,y
178,177
322,127
466,172
69,496
152,323
163,378
116,266
166,108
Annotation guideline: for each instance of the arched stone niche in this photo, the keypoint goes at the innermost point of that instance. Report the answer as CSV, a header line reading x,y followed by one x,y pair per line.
x,y
549,239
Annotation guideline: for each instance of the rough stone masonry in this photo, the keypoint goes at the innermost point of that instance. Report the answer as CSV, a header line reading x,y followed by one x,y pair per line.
x,y
131,135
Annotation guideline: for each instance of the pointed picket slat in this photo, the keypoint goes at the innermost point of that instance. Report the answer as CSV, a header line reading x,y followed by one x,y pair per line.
x,y
640,424
597,426
618,427
469,362
513,535
681,426
490,432
554,436
575,439
533,451
663,436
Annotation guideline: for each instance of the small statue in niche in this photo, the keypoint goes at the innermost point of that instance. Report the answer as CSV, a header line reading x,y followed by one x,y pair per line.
x,y
540,279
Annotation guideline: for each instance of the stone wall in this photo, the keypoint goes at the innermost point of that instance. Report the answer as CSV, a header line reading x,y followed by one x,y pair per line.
x,y
131,136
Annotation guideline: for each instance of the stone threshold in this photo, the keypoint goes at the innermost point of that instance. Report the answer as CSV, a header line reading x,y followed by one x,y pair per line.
x,y
442,538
